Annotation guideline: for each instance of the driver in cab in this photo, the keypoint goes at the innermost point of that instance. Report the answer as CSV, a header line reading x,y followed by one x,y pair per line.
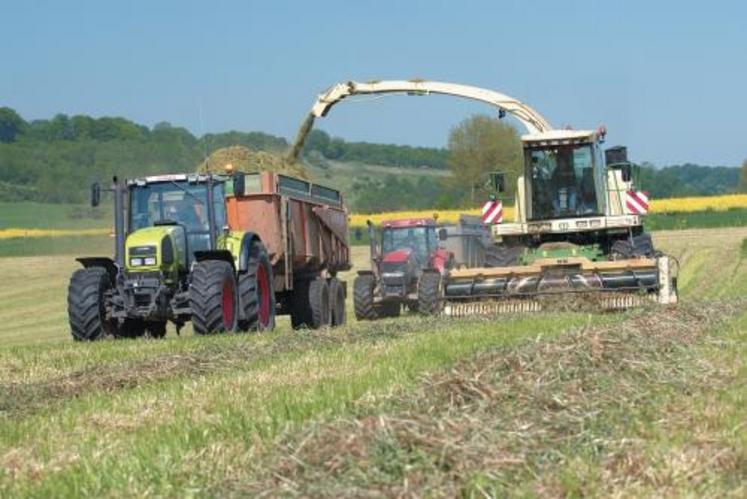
x,y
564,184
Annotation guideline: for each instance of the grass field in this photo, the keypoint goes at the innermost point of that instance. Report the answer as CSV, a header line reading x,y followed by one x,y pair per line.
x,y
555,404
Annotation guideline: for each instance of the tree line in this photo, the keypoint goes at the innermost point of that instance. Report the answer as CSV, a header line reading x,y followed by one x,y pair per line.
x,y
55,160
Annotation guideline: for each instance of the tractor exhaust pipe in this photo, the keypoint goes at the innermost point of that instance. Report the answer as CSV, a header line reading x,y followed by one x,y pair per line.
x,y
211,212
119,224
374,248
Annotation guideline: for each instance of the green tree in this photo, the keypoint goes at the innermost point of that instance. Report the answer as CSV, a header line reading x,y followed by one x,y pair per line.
x,y
482,144
11,125
743,177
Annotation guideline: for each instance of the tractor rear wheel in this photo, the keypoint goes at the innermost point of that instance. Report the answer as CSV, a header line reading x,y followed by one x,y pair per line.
x,y
337,302
86,304
430,293
213,297
363,298
256,290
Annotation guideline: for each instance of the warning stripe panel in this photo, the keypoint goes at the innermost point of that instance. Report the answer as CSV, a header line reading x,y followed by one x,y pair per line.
x,y
492,212
636,202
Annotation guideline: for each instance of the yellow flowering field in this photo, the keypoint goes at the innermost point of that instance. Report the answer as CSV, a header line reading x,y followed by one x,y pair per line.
x,y
19,232
702,203
690,204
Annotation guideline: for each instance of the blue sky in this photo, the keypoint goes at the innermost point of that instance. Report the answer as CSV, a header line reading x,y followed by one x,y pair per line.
x,y
668,79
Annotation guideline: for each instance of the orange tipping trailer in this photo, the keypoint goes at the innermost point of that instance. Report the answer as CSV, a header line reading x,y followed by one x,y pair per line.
x,y
304,227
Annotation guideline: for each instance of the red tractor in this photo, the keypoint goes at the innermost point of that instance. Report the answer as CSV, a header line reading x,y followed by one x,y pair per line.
x,y
407,268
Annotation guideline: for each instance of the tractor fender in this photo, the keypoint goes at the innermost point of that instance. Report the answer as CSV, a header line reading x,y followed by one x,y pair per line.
x,y
224,255
246,246
440,260
100,261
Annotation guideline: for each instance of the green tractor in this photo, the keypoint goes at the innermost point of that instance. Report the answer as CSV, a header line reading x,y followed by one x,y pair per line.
x,y
175,260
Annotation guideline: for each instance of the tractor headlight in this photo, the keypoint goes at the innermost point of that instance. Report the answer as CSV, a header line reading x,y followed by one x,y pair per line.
x,y
136,262
151,260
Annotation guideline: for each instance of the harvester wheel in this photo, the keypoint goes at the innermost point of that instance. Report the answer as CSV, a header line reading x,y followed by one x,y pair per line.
x,y
337,302
213,297
86,306
430,293
363,297
319,301
257,294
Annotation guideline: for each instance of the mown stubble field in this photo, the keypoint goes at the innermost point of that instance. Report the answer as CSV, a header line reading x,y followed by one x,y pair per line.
x,y
553,404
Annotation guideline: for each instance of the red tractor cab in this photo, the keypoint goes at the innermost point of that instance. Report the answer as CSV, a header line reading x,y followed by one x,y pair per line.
x,y
407,268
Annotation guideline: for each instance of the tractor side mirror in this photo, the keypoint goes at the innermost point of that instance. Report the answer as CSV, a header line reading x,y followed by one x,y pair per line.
x,y
239,184
497,182
95,194
443,234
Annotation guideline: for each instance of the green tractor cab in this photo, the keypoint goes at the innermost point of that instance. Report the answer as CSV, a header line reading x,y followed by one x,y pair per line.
x,y
175,260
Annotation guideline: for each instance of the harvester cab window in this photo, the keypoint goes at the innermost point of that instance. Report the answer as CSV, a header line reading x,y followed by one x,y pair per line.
x,y
562,182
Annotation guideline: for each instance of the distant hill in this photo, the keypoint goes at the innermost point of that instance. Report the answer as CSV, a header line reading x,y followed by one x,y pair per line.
x,y
56,160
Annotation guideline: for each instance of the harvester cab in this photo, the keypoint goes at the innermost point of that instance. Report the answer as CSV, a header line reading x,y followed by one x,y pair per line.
x,y
407,265
175,260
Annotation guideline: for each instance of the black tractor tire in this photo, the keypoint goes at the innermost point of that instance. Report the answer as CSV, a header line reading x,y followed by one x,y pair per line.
x,y
156,330
363,298
337,302
131,328
86,305
257,292
319,303
300,313
213,297
430,293
390,309
412,306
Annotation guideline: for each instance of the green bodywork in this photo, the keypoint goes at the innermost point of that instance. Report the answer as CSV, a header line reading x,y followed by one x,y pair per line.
x,y
148,242
591,252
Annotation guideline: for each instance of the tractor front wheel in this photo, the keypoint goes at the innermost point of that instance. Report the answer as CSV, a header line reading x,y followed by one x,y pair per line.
x,y
363,297
213,297
86,304
430,293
